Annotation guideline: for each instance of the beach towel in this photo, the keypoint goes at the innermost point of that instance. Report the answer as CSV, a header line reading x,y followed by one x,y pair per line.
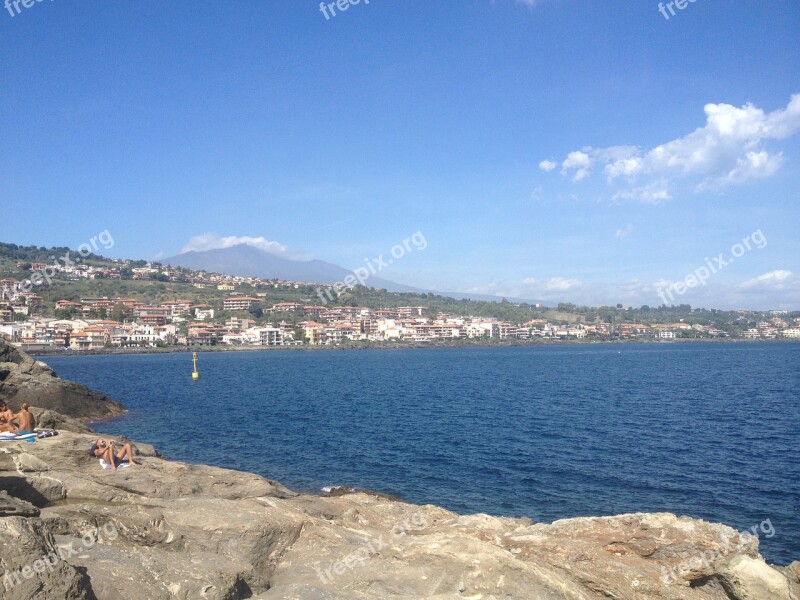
x,y
25,432
7,436
105,464
31,436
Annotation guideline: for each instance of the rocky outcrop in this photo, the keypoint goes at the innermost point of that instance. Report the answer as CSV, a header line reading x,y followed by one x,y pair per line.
x,y
168,530
23,379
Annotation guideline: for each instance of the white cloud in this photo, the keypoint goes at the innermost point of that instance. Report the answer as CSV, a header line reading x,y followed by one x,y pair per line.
x,y
621,234
578,160
547,165
625,166
774,279
730,149
778,289
652,193
566,289
753,165
561,284
212,241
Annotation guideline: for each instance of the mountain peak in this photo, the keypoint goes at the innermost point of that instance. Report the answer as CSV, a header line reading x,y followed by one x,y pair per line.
x,y
245,260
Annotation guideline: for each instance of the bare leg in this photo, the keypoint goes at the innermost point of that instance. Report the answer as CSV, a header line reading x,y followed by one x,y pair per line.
x,y
126,454
108,456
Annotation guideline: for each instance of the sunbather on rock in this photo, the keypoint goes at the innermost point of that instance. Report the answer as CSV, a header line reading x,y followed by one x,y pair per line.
x,y
7,419
26,420
108,451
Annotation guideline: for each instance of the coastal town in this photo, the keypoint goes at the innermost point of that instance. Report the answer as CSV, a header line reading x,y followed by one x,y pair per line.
x,y
247,312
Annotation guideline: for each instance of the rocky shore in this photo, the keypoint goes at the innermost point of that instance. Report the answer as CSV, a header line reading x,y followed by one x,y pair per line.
x,y
169,530
23,379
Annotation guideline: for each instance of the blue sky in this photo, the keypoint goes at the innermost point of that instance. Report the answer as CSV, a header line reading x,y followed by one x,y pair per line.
x,y
559,150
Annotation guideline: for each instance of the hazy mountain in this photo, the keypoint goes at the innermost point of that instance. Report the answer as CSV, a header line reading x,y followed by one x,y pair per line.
x,y
249,261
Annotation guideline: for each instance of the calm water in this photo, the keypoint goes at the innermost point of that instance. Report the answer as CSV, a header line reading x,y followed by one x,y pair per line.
x,y
708,430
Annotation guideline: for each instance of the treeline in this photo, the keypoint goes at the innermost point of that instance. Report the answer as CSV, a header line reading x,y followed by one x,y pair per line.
x,y
32,254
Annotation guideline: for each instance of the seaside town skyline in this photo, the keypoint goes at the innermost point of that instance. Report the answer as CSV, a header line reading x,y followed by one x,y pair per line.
x,y
252,318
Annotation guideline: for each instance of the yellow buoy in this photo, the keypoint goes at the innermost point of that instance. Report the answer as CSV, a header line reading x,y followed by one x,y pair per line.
x,y
195,374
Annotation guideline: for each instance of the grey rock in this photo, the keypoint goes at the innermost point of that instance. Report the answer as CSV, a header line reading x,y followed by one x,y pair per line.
x,y
50,419
23,379
14,507
173,530
33,567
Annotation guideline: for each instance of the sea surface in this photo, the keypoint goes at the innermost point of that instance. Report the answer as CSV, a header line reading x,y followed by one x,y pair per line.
x,y
707,430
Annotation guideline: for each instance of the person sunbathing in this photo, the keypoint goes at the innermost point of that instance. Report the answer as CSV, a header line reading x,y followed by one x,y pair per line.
x,y
7,419
107,450
25,419
26,422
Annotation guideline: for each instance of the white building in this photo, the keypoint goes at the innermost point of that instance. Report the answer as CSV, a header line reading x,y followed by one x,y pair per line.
x,y
270,336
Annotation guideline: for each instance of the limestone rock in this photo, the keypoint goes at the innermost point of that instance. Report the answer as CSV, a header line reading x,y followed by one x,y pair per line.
x,y
14,507
23,379
33,567
751,578
166,530
50,419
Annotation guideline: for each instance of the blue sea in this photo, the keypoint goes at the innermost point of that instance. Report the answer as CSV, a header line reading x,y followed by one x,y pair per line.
x,y
547,432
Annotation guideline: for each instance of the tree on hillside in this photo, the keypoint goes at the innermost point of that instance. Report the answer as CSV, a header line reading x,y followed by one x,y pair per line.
x,y
65,313
120,312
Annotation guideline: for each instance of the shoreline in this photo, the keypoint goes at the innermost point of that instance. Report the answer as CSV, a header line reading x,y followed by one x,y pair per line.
x,y
220,533
389,346
340,490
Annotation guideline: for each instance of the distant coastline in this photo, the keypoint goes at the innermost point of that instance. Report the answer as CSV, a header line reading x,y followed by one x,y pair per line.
x,y
396,346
